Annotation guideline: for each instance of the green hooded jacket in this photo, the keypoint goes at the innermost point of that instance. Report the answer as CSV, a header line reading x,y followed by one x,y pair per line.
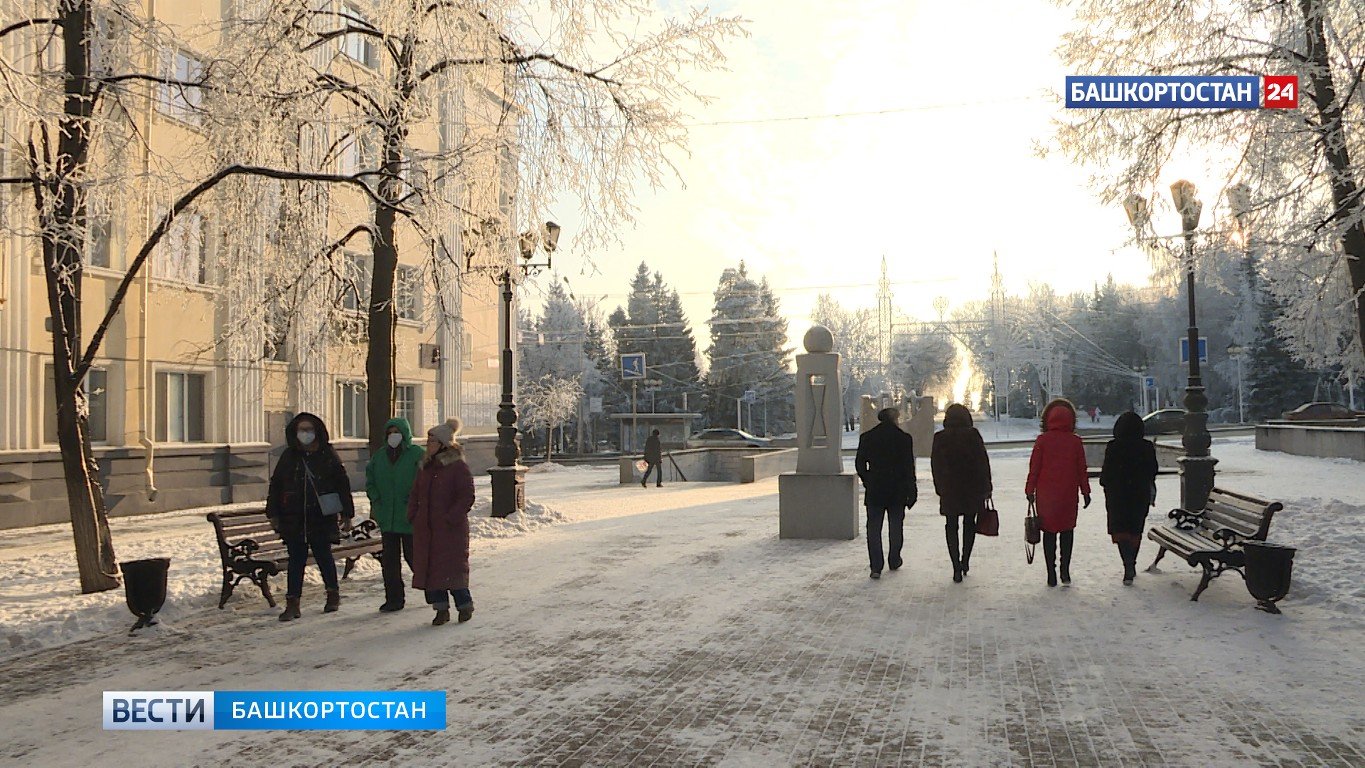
x,y
388,483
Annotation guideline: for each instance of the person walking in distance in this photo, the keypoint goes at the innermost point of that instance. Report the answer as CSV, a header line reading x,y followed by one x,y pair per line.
x,y
1056,472
962,480
885,462
309,505
654,457
388,481
438,509
1129,480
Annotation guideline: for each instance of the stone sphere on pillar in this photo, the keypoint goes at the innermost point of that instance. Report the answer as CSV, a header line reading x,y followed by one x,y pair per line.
x,y
819,340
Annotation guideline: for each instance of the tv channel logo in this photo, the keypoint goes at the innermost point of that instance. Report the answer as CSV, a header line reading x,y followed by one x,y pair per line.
x,y
1182,92
274,710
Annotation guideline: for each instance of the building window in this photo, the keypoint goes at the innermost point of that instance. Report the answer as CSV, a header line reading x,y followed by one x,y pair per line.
x,y
408,292
177,99
355,275
181,250
98,239
354,418
359,47
96,393
179,407
405,403
356,154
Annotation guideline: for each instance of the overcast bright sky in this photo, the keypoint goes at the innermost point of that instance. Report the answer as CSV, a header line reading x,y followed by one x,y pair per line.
x,y
935,187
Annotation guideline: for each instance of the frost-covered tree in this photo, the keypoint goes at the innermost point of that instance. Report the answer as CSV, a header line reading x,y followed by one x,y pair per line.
x,y
75,76
550,402
536,104
1302,168
923,362
748,352
653,322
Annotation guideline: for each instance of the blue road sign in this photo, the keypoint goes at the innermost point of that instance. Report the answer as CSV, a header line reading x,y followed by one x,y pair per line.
x,y
1150,381
1185,349
633,366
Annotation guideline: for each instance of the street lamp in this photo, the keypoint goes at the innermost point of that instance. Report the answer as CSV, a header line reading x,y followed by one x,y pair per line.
x,y
508,478
1196,466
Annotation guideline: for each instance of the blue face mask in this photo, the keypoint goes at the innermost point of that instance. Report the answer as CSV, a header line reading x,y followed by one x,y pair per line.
x,y
307,437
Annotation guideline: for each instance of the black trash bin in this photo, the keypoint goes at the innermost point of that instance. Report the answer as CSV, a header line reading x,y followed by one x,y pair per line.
x,y
1268,568
144,587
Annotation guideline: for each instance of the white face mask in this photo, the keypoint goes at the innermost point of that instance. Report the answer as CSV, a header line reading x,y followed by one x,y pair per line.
x,y
395,440
307,437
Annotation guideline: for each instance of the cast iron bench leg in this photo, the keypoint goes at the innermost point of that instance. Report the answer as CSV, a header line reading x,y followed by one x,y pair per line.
x,y
1203,583
263,581
1160,554
350,563
228,586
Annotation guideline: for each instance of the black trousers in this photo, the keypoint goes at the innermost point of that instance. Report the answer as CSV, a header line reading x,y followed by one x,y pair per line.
x,y
397,550
658,469
962,554
875,516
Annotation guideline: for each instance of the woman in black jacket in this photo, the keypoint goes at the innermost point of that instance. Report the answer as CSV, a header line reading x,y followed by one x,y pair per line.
x,y
962,480
308,484
1129,480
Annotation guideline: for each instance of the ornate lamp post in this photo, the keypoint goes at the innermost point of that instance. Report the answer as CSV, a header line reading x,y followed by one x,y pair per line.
x,y
509,477
1196,466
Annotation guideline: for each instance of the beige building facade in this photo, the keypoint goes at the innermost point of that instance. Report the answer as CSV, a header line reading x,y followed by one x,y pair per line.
x,y
179,401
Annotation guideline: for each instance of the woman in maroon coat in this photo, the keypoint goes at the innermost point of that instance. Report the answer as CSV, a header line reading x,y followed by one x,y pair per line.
x,y
1056,472
438,509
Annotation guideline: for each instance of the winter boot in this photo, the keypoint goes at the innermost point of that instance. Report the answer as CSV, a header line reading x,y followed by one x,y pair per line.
x,y
333,601
1129,552
291,609
442,617
1050,557
464,612
1067,538
954,554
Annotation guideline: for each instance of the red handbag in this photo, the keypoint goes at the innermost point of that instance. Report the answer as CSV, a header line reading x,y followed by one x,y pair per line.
x,y
988,520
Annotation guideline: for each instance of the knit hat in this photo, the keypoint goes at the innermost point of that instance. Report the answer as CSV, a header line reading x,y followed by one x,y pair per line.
x,y
445,433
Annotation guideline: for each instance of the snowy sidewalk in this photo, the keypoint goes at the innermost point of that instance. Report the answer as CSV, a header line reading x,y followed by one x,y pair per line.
x,y
671,626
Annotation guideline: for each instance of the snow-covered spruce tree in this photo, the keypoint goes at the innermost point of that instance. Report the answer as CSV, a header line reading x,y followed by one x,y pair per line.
x,y
748,352
78,79
675,350
1303,168
575,102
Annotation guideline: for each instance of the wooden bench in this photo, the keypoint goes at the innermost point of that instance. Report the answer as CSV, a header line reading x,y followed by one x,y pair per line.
x,y
1212,538
250,549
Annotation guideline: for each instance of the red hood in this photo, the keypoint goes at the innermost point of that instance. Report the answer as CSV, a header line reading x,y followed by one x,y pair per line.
x,y
1061,419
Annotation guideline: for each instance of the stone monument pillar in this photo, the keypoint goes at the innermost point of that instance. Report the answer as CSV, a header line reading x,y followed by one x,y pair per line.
x,y
867,415
818,500
922,426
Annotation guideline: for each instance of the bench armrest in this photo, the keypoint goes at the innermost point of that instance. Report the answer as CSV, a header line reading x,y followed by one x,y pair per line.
x,y
243,549
1185,520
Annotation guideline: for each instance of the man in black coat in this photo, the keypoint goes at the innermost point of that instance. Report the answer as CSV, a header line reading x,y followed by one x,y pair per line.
x,y
654,457
886,465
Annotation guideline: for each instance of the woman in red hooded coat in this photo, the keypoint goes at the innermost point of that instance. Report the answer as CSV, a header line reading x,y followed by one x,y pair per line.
x,y
1056,473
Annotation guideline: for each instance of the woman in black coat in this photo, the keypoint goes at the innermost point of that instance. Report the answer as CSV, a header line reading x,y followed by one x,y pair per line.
x,y
962,480
308,472
1129,480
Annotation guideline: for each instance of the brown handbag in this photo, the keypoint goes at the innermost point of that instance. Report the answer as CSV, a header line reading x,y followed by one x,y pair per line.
x,y
1032,532
988,520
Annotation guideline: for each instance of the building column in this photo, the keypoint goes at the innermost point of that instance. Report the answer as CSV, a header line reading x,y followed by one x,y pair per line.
x,y
16,406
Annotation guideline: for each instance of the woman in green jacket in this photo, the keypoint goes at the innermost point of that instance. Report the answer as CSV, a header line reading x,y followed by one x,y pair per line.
x,y
388,481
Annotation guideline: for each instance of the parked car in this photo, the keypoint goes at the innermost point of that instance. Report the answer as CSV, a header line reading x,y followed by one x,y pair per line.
x,y
1167,421
1319,411
726,438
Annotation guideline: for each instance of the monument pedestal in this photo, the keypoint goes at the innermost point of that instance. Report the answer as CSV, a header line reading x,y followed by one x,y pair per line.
x,y
817,506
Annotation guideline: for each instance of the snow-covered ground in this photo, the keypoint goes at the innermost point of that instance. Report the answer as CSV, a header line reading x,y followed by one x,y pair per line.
x,y
666,626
